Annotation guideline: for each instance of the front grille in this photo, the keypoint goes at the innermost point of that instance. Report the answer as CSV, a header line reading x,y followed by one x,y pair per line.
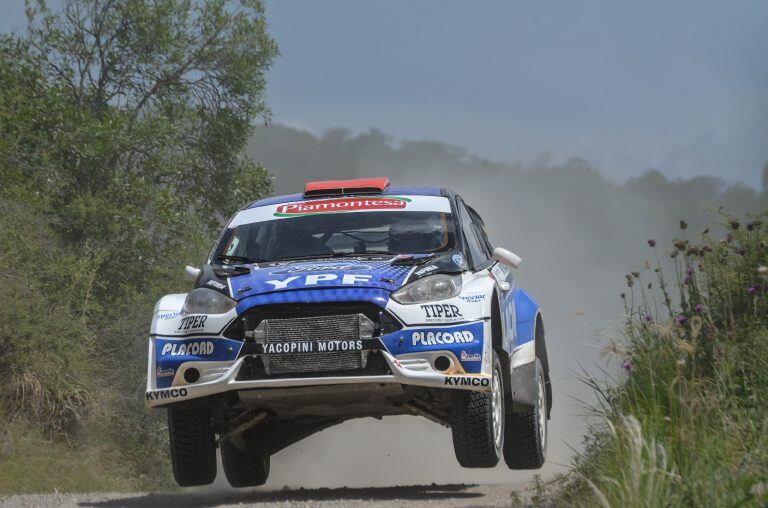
x,y
384,322
334,327
253,369
287,322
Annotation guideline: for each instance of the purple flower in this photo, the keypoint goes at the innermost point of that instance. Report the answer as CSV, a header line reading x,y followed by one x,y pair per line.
x,y
626,365
648,318
681,320
752,290
688,279
652,242
698,309
690,270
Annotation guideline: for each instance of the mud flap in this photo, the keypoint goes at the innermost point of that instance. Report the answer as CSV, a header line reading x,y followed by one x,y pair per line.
x,y
523,385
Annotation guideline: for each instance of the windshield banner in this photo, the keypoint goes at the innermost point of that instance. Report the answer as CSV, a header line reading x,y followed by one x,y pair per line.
x,y
342,205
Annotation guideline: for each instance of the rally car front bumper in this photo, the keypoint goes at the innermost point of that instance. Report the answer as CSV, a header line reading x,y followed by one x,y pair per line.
x,y
221,377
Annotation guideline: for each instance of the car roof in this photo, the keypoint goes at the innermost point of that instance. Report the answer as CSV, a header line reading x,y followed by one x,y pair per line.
x,y
390,191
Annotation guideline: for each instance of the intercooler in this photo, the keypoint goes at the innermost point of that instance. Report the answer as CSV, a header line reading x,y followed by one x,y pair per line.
x,y
314,328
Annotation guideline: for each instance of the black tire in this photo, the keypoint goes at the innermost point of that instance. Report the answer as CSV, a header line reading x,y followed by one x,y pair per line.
x,y
247,467
472,423
193,446
525,442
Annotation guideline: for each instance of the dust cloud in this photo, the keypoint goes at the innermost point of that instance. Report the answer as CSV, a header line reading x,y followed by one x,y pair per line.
x,y
577,233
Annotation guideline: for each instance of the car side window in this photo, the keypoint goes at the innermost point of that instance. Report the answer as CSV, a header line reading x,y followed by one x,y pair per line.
x,y
477,251
482,231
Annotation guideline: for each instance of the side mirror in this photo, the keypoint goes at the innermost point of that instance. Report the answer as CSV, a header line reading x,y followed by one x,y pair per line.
x,y
191,272
508,258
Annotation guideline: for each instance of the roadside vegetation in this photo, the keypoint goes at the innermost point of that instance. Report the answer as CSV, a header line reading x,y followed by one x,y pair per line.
x,y
122,126
686,424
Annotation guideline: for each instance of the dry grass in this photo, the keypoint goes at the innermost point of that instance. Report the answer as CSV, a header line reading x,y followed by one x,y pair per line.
x,y
27,397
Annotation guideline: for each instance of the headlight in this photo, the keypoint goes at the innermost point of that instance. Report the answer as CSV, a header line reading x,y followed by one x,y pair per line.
x,y
207,301
429,289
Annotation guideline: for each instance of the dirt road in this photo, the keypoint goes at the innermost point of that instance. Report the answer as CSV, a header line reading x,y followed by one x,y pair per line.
x,y
417,496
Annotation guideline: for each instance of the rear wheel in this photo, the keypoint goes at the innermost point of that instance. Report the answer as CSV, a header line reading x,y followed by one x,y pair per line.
x,y
245,465
193,447
525,442
477,423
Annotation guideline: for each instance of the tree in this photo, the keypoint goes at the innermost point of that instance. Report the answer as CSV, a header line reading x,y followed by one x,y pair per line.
x,y
155,103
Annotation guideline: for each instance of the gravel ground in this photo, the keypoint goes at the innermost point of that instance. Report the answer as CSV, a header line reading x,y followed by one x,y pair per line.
x,y
417,496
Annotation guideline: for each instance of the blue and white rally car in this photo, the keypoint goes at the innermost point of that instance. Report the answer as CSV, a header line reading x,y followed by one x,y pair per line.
x,y
355,299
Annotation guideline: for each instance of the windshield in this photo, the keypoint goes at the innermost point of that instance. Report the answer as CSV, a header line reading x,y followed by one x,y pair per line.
x,y
336,234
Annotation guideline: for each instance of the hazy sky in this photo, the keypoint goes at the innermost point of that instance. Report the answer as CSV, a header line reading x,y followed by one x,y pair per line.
x,y
676,85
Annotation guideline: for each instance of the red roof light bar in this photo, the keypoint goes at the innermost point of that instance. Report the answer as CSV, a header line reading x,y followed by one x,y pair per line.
x,y
328,188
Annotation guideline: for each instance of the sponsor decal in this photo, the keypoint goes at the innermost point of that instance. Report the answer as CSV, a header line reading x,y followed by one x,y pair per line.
x,y
470,357
168,315
312,346
170,393
192,323
340,205
466,381
474,298
161,372
459,260
215,284
322,268
444,310
171,353
195,348
432,338
347,279
426,269
467,337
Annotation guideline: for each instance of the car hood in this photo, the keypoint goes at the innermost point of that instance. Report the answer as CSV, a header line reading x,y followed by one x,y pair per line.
x,y
319,274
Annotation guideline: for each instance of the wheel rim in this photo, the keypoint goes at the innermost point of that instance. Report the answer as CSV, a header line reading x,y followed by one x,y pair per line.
x,y
542,403
497,407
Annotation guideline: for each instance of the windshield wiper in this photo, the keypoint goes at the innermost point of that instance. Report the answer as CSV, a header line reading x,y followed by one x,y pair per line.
x,y
338,255
411,260
240,259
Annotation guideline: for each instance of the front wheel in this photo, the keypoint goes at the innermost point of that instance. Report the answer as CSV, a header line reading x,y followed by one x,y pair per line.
x,y
193,446
477,423
245,465
525,445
